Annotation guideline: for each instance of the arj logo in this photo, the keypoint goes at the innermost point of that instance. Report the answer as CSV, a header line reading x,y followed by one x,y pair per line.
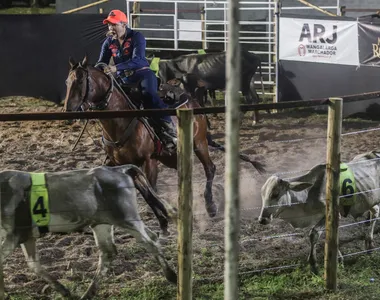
x,y
301,50
376,48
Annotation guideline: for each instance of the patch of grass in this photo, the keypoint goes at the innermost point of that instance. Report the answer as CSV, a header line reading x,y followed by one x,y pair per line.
x,y
298,283
27,10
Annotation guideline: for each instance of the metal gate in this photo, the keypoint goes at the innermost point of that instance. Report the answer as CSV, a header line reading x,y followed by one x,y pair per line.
x,y
203,24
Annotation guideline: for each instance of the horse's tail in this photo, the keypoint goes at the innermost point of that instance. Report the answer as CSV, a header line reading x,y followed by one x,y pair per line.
x,y
260,167
145,188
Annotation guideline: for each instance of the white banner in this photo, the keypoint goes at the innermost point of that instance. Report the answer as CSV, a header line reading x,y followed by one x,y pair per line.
x,y
320,41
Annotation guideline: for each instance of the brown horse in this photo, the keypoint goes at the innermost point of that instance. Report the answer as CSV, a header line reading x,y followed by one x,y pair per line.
x,y
130,140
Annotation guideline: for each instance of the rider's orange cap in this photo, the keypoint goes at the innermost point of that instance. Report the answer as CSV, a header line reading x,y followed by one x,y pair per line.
x,y
116,16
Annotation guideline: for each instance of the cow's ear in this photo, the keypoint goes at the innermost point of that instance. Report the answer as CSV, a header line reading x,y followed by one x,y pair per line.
x,y
299,186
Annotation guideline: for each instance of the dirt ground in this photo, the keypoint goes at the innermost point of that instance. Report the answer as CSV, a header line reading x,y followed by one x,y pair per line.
x,y
289,142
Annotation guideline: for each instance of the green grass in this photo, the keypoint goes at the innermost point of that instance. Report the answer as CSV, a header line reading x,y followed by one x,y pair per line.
x,y
299,283
27,10
293,283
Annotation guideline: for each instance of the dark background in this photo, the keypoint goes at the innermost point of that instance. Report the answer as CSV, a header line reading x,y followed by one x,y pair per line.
x,y
35,51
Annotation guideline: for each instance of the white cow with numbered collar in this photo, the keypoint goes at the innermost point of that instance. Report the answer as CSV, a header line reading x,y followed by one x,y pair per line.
x,y
301,201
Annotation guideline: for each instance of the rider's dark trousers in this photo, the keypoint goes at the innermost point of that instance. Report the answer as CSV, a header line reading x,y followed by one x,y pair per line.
x,y
149,88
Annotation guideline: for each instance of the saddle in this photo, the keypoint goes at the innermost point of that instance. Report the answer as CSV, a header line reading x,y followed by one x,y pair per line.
x,y
134,91
169,98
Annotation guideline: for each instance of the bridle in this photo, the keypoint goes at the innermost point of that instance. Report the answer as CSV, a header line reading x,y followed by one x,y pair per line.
x,y
95,106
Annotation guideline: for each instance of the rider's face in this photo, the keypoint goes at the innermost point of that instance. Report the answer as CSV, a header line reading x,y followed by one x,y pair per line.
x,y
117,29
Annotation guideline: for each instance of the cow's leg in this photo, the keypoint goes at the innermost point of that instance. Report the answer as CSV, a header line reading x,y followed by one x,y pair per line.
x,y
212,94
315,233
374,213
201,151
149,239
10,243
151,171
31,255
12,238
104,239
254,99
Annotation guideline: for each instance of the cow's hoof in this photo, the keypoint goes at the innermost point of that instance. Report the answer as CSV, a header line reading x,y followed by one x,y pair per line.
x,y
212,209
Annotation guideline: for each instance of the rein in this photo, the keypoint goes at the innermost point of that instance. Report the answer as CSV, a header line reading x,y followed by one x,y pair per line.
x,y
130,104
104,104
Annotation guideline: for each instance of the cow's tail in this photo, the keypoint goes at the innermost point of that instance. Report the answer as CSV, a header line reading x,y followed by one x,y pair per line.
x,y
144,187
260,167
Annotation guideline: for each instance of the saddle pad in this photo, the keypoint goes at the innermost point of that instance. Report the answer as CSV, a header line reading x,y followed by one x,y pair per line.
x,y
347,185
154,65
39,200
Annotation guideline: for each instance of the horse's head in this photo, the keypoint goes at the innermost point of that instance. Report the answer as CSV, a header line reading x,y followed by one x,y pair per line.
x,y
87,87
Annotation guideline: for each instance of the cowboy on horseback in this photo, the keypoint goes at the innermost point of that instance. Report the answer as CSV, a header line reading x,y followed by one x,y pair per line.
x,y
127,48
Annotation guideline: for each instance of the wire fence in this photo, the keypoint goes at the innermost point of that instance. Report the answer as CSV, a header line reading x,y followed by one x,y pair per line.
x,y
265,238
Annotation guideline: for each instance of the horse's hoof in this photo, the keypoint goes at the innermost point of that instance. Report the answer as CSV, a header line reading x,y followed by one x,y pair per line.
x,y
314,269
171,276
165,233
212,209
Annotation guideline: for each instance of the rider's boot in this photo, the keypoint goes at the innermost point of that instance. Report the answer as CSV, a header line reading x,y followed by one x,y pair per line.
x,y
170,135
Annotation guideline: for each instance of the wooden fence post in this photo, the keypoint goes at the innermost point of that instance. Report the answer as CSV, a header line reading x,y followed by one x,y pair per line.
x,y
2,289
232,205
334,130
136,10
203,27
185,203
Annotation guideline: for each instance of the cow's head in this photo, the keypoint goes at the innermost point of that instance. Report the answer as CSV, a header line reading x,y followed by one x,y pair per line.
x,y
172,90
275,195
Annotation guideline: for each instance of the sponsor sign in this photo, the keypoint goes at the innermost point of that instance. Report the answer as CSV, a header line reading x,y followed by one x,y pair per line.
x,y
320,41
369,44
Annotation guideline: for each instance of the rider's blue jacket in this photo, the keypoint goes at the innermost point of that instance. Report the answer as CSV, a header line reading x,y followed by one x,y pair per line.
x,y
128,56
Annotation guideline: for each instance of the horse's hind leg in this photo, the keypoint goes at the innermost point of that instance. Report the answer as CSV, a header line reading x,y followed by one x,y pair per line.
x,y
148,238
201,151
151,172
103,235
31,255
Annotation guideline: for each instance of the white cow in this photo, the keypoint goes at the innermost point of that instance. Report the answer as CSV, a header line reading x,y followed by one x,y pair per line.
x,y
68,201
301,201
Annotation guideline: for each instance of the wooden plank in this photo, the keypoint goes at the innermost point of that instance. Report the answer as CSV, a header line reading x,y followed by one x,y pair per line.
x,y
317,8
185,203
334,131
84,7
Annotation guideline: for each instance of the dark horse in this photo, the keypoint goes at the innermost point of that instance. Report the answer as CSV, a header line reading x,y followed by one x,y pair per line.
x,y
130,140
